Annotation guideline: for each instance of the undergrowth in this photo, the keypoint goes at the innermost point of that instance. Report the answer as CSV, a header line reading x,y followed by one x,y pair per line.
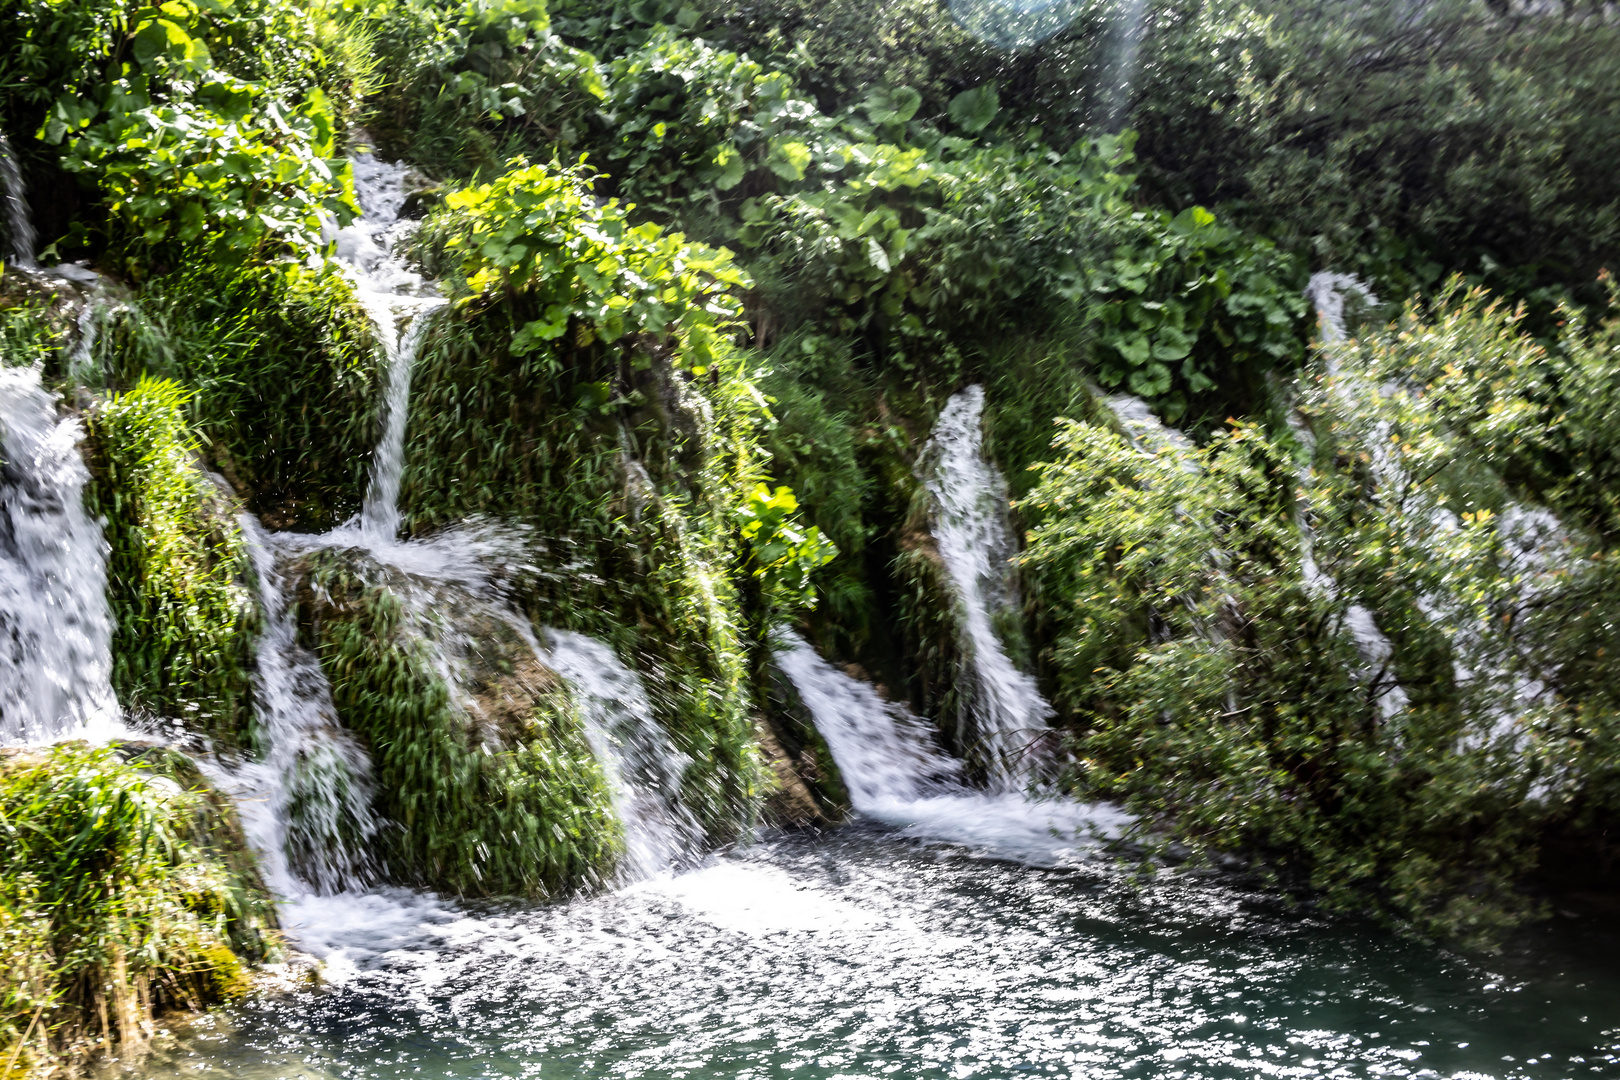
x,y
126,889
183,621
480,805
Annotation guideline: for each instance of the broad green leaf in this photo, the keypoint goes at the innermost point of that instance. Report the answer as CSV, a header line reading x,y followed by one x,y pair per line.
x,y
973,110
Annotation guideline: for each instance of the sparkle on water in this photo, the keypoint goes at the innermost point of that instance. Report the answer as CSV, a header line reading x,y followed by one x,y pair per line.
x,y
857,954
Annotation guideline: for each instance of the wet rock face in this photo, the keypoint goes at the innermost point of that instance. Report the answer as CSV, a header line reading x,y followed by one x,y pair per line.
x,y
789,802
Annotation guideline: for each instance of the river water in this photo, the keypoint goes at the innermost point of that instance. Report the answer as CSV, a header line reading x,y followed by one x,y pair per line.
x,y
859,953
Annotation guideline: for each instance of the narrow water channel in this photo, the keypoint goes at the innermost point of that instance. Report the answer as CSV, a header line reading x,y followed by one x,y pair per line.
x,y
858,953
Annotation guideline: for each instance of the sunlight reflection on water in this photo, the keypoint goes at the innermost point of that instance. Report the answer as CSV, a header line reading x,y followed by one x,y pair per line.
x,y
862,954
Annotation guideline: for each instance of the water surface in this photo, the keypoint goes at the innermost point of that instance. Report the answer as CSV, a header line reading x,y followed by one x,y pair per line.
x,y
859,953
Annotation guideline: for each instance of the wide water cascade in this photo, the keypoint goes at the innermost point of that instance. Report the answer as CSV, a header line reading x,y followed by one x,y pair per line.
x,y
896,775
306,802
976,543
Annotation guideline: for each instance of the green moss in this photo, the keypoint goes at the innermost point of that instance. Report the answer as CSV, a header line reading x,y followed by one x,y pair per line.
x,y
125,889
635,555
503,799
183,637
287,380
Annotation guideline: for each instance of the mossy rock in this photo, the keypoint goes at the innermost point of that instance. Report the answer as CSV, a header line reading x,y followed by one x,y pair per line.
x,y
126,890
482,771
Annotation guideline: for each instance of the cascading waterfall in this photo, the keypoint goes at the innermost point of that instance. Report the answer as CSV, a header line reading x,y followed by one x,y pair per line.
x,y
312,786
55,630
19,222
400,304
307,803
643,770
895,774
1535,541
976,542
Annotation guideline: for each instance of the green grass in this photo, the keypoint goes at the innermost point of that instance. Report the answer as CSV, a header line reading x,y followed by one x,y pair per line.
x,y
504,799
183,620
125,889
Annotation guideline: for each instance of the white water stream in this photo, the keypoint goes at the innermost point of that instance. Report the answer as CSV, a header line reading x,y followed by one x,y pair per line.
x,y
975,540
895,774
643,770
306,803
19,223
55,631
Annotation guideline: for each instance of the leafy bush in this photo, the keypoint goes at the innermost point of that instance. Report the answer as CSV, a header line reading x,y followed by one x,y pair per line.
x,y
183,622
168,112
471,83
1381,673
1220,693
125,889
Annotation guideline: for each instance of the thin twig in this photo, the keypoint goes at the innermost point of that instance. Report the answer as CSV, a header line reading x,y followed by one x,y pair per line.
x,y
17,1053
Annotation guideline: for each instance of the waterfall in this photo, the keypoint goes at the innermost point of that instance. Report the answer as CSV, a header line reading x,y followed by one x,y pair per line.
x,y
976,543
896,775
55,630
19,223
1535,541
306,803
401,305
379,516
307,800
643,770
1125,49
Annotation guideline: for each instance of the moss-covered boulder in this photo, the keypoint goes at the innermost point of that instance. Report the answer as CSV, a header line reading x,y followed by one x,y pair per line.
x,y
184,618
482,771
126,889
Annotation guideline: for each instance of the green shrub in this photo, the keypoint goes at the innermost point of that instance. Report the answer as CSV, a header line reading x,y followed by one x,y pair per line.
x,y
286,378
202,127
182,644
471,83
1220,694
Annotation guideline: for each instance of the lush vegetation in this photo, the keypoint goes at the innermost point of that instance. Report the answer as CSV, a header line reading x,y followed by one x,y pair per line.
x,y
125,889
184,621
488,782
712,271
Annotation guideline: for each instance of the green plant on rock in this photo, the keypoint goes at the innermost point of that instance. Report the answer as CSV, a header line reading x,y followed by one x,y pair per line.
x,y
126,888
286,378
780,551
182,645
587,272
482,805
188,150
